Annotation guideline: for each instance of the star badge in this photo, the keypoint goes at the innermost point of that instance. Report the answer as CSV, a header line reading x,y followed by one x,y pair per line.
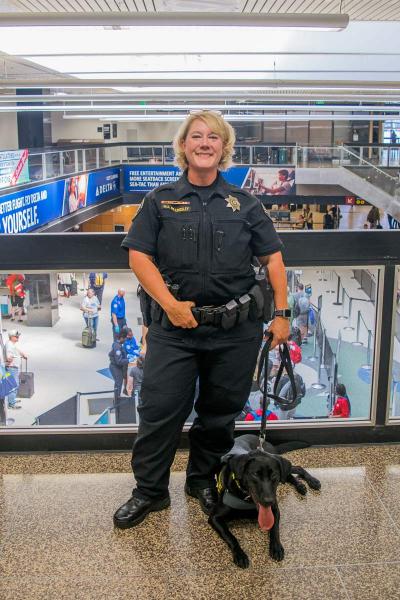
x,y
233,203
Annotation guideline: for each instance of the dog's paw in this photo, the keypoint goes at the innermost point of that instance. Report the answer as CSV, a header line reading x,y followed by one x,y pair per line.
x,y
314,483
241,559
301,488
277,552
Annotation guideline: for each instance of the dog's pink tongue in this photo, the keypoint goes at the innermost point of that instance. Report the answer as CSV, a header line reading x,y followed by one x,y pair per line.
x,y
265,518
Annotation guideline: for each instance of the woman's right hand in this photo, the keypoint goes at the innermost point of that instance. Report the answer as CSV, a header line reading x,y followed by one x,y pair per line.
x,y
180,314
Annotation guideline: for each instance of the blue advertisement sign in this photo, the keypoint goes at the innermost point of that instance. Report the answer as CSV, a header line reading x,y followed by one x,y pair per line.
x,y
147,177
393,223
269,181
32,208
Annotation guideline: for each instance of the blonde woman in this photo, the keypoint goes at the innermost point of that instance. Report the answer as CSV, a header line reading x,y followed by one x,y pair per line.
x,y
191,245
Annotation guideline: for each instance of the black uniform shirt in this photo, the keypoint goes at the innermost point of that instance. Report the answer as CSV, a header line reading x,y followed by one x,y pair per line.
x,y
204,245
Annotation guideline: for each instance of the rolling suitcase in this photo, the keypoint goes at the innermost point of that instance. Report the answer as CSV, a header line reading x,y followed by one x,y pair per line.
x,y
26,387
74,287
89,336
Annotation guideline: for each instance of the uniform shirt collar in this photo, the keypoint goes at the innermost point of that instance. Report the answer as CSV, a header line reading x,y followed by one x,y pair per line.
x,y
184,187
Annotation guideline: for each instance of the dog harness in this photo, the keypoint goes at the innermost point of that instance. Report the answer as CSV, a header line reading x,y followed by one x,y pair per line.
x,y
230,499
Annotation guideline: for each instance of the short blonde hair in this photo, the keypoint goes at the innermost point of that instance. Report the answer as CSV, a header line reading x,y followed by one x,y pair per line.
x,y
218,125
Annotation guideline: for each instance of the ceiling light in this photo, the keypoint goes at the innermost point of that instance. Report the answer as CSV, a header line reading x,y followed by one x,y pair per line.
x,y
255,118
149,108
153,84
325,22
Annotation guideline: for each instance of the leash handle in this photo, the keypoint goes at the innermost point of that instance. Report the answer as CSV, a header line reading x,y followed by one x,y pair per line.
x,y
263,366
286,363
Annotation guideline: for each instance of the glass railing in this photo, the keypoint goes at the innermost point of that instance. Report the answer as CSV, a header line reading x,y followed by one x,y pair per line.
x,y
58,163
394,408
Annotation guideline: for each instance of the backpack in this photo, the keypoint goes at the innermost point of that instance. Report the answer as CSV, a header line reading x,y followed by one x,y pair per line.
x,y
296,335
285,390
295,352
296,310
18,289
303,304
99,280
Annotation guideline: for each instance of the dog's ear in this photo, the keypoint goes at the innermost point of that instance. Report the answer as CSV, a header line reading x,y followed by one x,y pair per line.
x,y
285,468
238,464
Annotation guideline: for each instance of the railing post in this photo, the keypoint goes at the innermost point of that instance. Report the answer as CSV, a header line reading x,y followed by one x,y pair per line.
x,y
314,356
295,155
330,282
357,342
368,365
44,170
97,158
84,159
322,364
343,316
61,161
78,407
76,161
337,303
318,385
349,327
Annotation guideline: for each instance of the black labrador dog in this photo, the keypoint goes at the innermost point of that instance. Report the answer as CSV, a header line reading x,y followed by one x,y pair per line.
x,y
247,485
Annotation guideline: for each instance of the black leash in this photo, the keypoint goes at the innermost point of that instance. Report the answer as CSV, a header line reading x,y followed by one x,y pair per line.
x,y
286,364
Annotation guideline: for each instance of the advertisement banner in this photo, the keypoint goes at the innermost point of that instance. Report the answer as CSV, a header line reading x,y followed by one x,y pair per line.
x,y
32,208
393,223
147,177
14,168
270,181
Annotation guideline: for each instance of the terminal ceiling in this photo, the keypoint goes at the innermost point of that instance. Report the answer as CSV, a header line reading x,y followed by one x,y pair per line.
x,y
197,63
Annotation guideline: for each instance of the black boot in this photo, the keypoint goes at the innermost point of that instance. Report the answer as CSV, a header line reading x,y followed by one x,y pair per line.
x,y
207,497
136,509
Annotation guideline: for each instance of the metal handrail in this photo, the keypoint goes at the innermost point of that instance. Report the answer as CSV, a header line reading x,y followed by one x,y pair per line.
x,y
369,164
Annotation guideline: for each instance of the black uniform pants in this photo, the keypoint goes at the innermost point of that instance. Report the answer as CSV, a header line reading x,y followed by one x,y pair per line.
x,y
224,363
118,376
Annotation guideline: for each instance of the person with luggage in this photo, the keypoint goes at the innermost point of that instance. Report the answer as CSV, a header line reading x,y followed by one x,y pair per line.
x,y
118,363
90,307
118,320
97,282
13,359
15,284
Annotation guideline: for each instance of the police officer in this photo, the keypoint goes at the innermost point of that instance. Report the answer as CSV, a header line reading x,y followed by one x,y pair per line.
x,y
118,320
118,363
198,235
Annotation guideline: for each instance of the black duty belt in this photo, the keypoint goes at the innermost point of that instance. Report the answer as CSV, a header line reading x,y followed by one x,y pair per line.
x,y
254,305
226,316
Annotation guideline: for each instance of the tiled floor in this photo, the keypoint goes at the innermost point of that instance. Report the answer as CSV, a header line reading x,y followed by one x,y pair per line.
x,y
58,541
